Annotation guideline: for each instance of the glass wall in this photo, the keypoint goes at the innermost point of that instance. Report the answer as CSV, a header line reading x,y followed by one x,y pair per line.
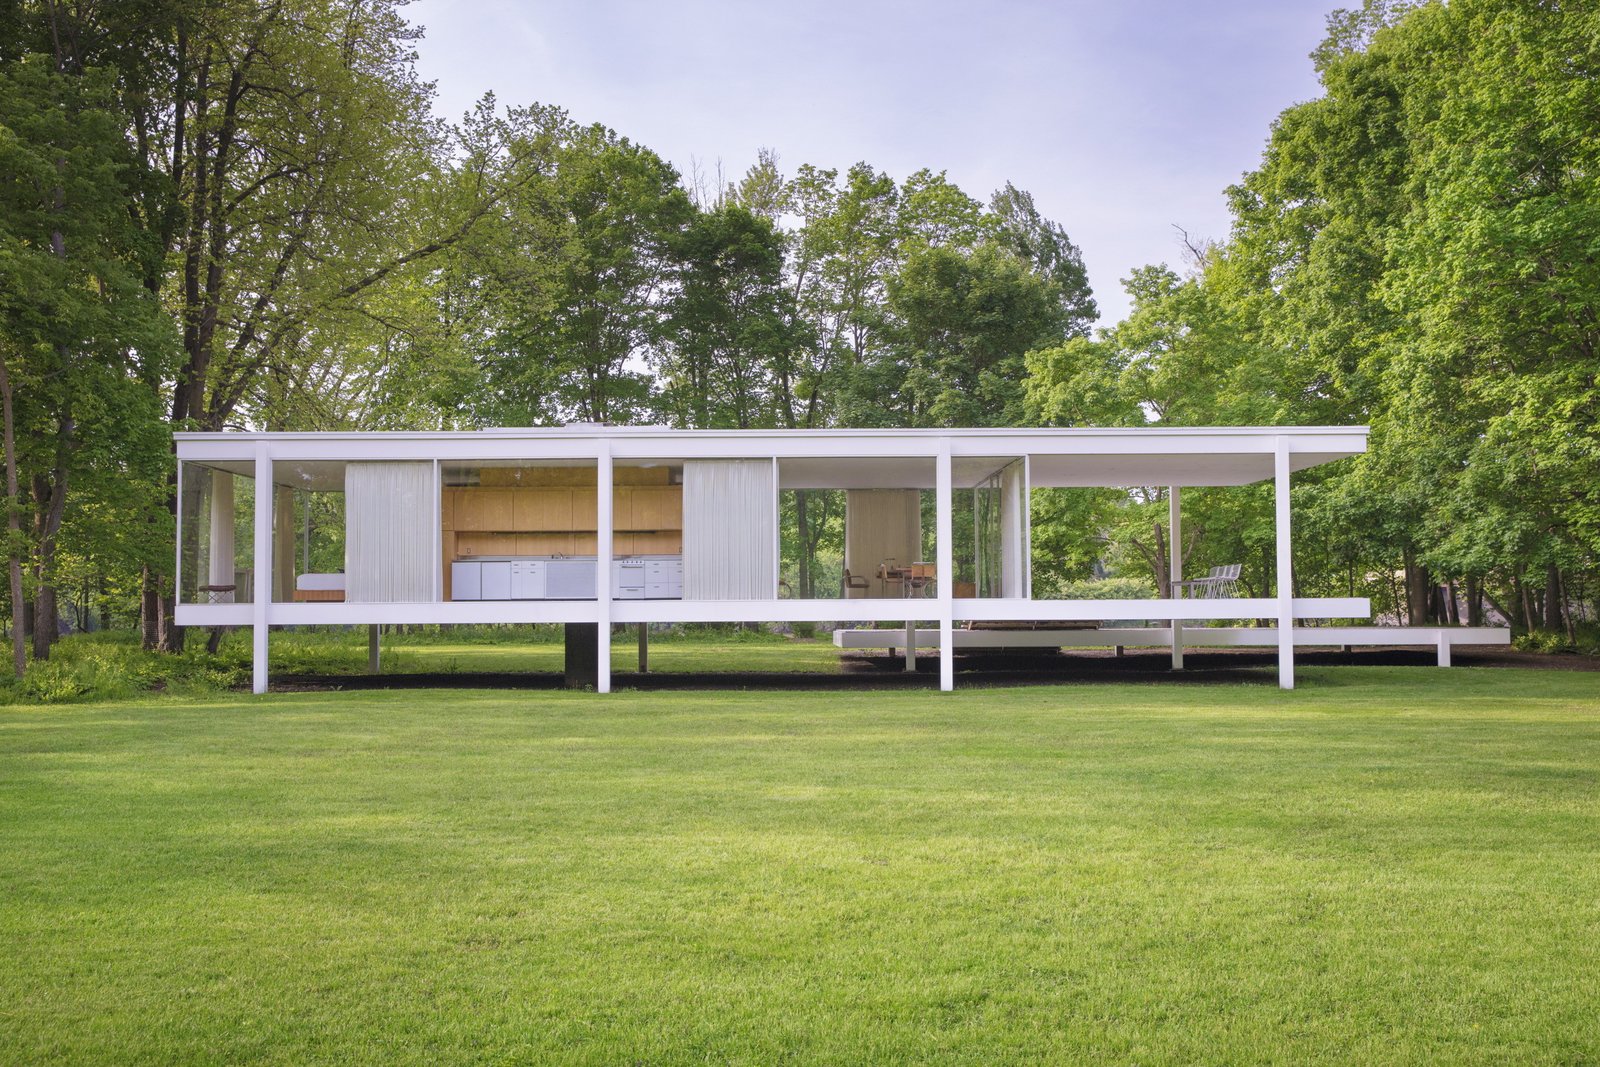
x,y
308,531
216,560
513,530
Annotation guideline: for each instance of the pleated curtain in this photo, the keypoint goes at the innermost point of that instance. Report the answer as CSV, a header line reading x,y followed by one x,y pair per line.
x,y
1015,555
389,520
730,535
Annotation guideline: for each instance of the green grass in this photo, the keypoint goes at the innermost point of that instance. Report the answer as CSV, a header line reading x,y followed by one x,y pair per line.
x,y
1385,866
111,666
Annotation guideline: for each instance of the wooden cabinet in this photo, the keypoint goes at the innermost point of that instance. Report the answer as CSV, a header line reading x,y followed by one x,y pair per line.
x,y
585,509
484,510
497,509
550,509
534,510
469,512
657,507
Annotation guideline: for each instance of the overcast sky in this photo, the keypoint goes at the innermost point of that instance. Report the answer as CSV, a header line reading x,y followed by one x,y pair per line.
x,y
1122,118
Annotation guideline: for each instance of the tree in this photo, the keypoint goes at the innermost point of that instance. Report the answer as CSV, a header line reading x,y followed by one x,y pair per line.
x,y
964,323
82,343
572,339
1019,226
732,327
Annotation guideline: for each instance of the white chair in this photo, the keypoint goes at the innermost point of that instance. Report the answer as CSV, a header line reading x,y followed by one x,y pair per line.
x,y
1220,584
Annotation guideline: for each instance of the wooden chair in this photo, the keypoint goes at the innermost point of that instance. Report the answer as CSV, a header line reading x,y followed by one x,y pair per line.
x,y
853,581
892,576
919,579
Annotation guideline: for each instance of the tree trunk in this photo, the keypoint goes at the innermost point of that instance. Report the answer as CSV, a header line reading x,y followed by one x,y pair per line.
x,y
50,496
19,651
1417,590
1527,604
171,635
1552,600
1474,601
149,610
1452,607
46,621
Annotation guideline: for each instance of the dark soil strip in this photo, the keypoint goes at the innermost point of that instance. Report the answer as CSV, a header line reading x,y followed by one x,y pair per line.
x,y
999,668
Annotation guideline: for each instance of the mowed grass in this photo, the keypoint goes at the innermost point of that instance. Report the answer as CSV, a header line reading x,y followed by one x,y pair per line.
x,y
1385,866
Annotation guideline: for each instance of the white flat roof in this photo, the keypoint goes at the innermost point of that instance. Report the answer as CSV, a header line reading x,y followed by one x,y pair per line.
x,y
836,458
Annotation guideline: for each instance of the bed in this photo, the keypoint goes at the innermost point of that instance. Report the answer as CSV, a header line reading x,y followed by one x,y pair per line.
x,y
319,587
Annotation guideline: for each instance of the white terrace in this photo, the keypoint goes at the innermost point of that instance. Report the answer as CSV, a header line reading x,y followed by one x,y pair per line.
x,y
510,526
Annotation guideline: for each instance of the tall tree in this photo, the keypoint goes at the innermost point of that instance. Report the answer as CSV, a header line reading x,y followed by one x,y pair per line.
x,y
732,328
1019,226
82,345
964,323
572,344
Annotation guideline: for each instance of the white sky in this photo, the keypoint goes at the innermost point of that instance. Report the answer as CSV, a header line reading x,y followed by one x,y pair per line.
x,y
1122,119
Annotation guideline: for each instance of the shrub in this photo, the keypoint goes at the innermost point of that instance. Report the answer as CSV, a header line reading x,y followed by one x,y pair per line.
x,y
1106,589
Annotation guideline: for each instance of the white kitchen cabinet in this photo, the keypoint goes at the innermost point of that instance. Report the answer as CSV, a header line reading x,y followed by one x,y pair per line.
x,y
527,579
466,581
497,580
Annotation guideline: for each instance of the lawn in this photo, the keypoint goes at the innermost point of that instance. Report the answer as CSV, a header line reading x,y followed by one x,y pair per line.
x,y
1385,866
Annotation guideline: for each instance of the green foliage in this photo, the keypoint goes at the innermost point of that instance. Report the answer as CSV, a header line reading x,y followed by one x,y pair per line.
x,y
310,248
1103,589
111,666
732,328
963,322
1415,252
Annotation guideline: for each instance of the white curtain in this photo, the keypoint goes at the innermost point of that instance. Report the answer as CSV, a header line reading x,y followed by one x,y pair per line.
x,y
389,519
1015,553
283,544
220,560
881,524
730,534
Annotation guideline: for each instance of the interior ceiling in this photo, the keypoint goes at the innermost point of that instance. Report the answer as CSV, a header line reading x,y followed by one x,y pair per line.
x,y
907,472
1047,471
318,476
1183,469
885,472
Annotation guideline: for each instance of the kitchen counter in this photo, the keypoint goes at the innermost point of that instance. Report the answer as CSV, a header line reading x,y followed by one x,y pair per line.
x,y
551,577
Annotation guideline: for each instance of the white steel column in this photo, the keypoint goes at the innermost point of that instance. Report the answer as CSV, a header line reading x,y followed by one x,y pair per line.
x,y
911,646
438,534
261,553
603,567
1175,567
944,567
1280,495
1027,526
